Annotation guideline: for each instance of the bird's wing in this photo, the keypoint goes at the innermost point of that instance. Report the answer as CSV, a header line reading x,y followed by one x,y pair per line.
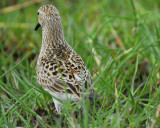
x,y
71,76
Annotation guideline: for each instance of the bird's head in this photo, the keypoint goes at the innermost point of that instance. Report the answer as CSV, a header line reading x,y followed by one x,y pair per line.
x,y
48,15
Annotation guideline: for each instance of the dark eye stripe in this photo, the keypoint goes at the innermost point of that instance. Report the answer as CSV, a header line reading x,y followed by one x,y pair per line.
x,y
38,13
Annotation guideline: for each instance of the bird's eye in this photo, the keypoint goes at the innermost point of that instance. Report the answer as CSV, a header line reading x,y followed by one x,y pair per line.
x,y
38,13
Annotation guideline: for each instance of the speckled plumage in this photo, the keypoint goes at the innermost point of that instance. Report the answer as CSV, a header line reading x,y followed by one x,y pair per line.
x,y
59,68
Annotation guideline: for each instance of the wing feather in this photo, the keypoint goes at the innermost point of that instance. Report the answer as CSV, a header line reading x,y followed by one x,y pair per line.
x,y
69,76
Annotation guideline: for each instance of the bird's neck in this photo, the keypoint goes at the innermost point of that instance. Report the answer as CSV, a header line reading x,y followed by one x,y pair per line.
x,y
52,37
52,34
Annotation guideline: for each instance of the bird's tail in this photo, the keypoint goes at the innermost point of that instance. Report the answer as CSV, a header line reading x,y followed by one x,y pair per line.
x,y
93,96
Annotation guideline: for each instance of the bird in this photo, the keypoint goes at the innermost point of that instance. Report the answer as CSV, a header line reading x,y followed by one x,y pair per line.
x,y
60,70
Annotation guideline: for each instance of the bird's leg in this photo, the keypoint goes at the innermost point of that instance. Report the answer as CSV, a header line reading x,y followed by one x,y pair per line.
x,y
58,105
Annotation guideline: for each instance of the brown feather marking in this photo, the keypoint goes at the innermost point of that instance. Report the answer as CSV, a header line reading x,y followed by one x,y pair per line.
x,y
73,89
53,89
58,87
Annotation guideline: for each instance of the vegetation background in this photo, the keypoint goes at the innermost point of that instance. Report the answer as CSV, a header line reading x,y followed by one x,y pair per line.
x,y
119,41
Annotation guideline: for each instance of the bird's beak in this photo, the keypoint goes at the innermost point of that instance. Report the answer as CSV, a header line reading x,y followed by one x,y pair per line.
x,y
37,26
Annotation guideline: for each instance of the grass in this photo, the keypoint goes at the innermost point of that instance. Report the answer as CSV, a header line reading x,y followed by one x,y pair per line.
x,y
119,42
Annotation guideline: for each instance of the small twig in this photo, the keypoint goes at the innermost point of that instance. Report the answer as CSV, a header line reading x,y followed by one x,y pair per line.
x,y
108,108
15,25
158,83
19,6
74,120
156,117
96,57
116,93
118,40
